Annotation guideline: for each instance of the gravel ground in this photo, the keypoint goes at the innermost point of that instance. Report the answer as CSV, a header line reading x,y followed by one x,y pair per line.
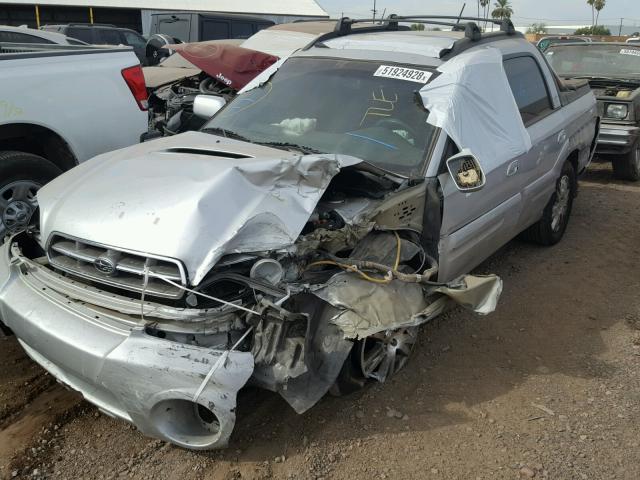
x,y
546,387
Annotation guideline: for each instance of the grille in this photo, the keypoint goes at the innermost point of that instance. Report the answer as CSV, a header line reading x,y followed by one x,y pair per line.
x,y
116,268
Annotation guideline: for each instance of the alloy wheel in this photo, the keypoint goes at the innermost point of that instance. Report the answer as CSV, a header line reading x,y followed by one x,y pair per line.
x,y
17,204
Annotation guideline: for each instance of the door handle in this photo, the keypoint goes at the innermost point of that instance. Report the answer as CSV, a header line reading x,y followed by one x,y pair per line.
x,y
512,169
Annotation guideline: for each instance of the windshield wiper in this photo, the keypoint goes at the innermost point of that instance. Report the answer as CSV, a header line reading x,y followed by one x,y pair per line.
x,y
226,133
608,79
290,146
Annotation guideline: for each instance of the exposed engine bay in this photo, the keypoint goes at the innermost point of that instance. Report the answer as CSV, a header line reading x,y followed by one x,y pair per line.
x,y
612,88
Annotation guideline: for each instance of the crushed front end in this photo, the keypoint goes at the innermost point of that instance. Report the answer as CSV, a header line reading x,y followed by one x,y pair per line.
x,y
318,283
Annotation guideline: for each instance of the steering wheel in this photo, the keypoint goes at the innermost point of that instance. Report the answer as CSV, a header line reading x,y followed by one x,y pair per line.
x,y
396,124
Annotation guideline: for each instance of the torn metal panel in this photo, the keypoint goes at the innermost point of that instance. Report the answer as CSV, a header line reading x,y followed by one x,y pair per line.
x,y
471,100
300,359
367,308
162,196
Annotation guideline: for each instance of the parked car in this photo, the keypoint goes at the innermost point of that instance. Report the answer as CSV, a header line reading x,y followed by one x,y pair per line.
x,y
53,118
613,71
633,40
30,35
300,238
191,27
546,42
103,34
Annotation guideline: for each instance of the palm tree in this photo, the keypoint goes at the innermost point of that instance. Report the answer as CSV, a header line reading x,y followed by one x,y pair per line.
x,y
593,12
598,5
502,9
485,10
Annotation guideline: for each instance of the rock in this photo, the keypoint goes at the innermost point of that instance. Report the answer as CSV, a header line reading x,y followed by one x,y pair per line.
x,y
359,414
393,413
15,473
526,472
434,471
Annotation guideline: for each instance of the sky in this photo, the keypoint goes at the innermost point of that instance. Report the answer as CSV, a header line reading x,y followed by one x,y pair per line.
x,y
551,12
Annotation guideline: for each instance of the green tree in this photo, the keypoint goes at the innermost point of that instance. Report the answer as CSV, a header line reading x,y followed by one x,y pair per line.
x,y
502,9
417,26
537,28
599,30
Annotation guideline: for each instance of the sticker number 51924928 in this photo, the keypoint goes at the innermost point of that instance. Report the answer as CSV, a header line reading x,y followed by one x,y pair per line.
x,y
402,73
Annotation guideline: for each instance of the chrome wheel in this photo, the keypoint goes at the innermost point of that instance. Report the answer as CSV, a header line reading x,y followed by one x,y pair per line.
x,y
17,204
384,354
561,205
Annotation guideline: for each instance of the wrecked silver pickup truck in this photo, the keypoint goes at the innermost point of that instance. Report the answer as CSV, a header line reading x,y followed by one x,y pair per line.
x,y
297,242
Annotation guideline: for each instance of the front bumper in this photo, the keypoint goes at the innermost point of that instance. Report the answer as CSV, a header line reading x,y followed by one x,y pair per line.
x,y
115,365
617,139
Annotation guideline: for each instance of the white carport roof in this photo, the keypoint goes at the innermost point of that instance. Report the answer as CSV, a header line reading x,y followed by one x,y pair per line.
x,y
264,7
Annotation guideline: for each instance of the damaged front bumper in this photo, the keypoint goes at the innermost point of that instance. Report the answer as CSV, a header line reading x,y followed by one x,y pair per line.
x,y
116,365
172,371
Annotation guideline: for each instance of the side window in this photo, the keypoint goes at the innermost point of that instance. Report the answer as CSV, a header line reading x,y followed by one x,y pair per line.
x,y
241,30
16,37
528,87
108,37
133,39
80,33
212,30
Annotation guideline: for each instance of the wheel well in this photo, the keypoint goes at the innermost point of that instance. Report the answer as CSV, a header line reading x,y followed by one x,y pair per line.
x,y
29,138
574,158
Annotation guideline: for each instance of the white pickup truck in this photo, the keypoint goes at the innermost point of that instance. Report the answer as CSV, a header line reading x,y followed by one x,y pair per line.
x,y
61,105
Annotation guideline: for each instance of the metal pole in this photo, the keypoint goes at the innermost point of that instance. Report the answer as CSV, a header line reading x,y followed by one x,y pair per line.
x,y
620,30
37,16
374,11
91,15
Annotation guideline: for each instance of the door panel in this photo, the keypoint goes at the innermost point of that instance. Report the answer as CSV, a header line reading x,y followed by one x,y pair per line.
x,y
476,224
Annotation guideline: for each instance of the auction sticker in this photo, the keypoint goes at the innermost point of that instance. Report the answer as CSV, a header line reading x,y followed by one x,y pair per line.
x,y
630,51
402,73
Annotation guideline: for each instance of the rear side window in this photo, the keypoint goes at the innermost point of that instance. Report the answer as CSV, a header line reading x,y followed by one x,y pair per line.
x,y
108,37
15,37
212,30
133,39
528,87
241,30
80,33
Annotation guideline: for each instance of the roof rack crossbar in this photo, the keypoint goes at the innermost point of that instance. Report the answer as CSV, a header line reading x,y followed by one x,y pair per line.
x,y
391,23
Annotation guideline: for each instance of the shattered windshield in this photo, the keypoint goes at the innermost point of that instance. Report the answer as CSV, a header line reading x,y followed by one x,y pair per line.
x,y
615,61
364,109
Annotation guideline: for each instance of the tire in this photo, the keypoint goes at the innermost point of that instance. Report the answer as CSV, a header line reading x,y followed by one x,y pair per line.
x,y
550,229
397,346
627,167
24,173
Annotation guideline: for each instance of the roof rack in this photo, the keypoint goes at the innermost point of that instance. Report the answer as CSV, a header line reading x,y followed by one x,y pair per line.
x,y
392,23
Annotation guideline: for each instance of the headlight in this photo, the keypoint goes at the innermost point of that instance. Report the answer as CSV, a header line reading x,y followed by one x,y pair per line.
x,y
267,270
617,110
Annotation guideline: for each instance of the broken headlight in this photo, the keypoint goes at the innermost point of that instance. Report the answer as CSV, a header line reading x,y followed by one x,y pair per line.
x,y
618,111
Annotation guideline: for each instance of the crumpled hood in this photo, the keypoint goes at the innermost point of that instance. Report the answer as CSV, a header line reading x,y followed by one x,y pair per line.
x,y
186,197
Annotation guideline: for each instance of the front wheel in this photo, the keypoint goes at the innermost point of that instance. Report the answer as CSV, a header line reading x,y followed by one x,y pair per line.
x,y
555,218
377,357
627,167
21,175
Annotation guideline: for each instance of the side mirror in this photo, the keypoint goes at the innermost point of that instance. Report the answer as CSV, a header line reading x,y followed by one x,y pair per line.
x,y
466,171
206,106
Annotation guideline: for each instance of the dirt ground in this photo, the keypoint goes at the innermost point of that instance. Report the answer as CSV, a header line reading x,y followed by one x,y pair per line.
x,y
547,387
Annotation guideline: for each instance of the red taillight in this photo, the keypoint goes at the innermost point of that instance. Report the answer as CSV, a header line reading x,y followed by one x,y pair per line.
x,y
135,80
